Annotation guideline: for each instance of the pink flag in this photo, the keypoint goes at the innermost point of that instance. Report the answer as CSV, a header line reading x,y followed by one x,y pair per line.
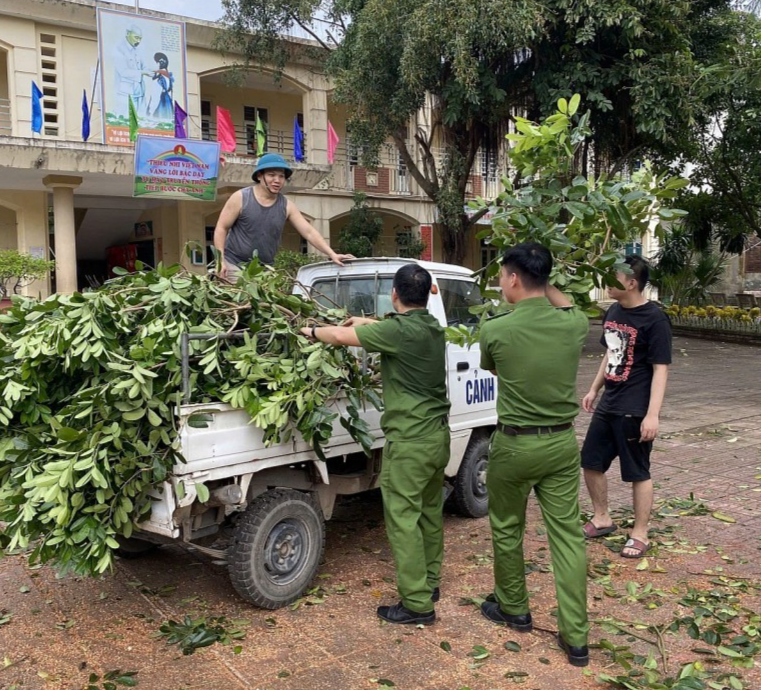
x,y
225,130
332,143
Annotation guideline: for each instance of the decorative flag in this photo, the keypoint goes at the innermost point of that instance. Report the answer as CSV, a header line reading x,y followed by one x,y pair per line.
x,y
225,130
179,122
261,136
85,117
133,124
36,108
298,141
332,143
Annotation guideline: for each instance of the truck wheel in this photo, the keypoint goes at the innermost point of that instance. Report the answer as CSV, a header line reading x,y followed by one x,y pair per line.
x,y
277,547
469,496
131,547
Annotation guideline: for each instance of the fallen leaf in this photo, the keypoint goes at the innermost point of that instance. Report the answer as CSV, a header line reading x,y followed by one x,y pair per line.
x,y
445,646
732,440
511,646
644,564
723,517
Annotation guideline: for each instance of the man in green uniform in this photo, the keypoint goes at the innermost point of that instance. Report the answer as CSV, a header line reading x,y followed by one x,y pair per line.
x,y
415,422
534,352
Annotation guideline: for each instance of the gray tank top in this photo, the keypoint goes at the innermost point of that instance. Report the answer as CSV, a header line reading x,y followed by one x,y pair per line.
x,y
258,228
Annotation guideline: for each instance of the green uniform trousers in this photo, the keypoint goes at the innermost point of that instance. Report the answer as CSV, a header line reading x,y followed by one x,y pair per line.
x,y
549,464
412,478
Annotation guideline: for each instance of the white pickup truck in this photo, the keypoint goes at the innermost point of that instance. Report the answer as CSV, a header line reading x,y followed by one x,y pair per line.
x,y
277,498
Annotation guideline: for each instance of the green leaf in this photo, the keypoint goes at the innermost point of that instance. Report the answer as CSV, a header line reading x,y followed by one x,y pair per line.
x,y
67,434
728,651
723,517
202,492
511,646
573,106
445,646
385,681
200,421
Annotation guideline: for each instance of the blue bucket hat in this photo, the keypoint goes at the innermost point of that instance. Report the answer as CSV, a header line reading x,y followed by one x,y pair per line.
x,y
272,161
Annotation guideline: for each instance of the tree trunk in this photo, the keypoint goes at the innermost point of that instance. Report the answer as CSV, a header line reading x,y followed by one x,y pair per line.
x,y
454,241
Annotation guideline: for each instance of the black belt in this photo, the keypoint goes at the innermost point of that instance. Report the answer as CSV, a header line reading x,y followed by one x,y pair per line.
x,y
528,430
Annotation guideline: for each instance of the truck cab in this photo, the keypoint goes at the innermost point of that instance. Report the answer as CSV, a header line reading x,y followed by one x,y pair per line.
x,y
363,288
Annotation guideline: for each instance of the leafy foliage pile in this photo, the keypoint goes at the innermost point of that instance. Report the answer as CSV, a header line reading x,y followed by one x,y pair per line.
x,y
91,383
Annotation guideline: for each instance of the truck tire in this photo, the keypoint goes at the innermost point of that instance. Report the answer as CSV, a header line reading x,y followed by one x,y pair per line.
x,y
277,547
131,547
469,495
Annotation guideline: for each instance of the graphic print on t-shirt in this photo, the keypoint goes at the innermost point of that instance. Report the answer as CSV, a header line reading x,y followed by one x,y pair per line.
x,y
620,340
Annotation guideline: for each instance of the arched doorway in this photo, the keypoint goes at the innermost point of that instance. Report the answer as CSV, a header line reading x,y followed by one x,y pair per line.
x,y
400,235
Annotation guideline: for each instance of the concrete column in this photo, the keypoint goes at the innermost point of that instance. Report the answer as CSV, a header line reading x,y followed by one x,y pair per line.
x,y
191,227
323,227
316,125
63,188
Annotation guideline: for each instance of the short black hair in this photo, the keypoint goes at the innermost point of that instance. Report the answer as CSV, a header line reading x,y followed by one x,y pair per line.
x,y
531,261
641,270
161,56
413,285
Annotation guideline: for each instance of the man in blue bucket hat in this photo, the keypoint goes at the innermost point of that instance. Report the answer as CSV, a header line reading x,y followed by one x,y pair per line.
x,y
253,219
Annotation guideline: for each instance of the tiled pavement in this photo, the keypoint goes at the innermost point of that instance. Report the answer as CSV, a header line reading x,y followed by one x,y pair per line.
x,y
63,629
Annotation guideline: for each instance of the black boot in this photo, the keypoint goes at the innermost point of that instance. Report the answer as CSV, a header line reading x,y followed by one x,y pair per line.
x,y
577,656
401,614
435,595
492,611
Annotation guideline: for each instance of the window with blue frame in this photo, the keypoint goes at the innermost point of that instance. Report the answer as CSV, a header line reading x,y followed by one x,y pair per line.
x,y
633,249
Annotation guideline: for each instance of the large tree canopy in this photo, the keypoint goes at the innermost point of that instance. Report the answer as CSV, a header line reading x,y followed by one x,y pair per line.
x,y
479,62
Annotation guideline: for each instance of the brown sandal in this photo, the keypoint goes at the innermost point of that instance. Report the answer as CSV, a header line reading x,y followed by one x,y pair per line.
x,y
592,531
639,546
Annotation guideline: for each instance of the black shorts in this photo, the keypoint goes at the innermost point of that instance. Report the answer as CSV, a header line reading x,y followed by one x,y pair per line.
x,y
613,435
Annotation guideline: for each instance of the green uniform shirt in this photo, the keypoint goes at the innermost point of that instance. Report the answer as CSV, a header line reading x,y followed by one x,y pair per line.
x,y
535,351
413,367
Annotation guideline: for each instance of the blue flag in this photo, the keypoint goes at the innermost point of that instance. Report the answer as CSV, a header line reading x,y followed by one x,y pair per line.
x,y
298,141
85,117
36,108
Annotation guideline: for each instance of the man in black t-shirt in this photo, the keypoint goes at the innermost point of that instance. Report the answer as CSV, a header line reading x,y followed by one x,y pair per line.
x,y
634,370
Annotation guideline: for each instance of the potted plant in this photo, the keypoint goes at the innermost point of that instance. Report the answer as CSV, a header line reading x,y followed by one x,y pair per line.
x,y
18,270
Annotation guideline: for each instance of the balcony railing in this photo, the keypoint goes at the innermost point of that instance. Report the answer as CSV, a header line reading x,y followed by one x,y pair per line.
x,y
485,181
277,141
5,117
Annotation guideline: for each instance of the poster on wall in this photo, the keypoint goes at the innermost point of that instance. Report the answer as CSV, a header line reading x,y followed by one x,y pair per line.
x,y
176,168
142,68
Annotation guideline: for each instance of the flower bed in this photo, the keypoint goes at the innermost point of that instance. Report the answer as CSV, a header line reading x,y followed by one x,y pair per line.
x,y
724,323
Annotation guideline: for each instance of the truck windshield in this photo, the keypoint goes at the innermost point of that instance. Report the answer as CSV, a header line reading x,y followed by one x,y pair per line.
x,y
361,296
458,297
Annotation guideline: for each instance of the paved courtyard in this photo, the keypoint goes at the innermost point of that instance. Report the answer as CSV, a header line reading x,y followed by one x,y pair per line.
x,y
707,467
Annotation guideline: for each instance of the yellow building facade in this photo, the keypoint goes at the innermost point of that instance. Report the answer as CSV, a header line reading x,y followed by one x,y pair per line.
x,y
70,200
